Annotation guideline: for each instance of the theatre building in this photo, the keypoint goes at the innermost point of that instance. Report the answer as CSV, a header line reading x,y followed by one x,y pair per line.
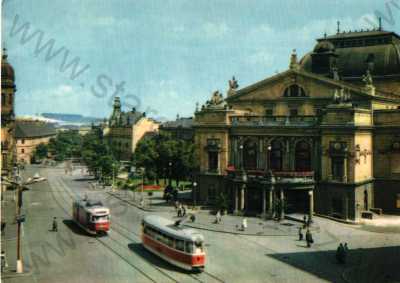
x,y
322,136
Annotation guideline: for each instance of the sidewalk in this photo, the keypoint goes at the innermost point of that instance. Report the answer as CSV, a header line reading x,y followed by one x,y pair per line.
x,y
9,239
255,225
154,203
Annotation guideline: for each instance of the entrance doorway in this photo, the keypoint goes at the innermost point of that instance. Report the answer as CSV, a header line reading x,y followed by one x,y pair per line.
x,y
253,201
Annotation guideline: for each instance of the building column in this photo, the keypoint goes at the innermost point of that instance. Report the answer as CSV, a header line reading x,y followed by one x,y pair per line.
x,y
271,203
346,208
235,192
242,197
264,201
311,205
282,197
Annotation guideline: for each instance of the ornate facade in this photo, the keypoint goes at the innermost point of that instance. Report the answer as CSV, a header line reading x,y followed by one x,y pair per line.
x,y
8,90
320,137
126,129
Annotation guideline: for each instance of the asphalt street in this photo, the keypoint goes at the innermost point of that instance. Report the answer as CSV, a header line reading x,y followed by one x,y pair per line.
x,y
70,255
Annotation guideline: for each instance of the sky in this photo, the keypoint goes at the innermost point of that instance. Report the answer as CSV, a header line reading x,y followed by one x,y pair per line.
x,y
162,56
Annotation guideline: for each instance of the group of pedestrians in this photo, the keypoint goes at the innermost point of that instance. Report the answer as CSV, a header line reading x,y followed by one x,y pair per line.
x,y
181,209
309,238
341,253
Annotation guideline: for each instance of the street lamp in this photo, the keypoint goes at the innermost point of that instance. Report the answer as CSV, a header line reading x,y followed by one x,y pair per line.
x,y
194,192
269,148
19,217
311,210
241,156
170,173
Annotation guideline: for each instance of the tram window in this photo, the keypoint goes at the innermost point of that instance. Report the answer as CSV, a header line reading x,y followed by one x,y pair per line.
x,y
170,241
96,218
180,245
189,247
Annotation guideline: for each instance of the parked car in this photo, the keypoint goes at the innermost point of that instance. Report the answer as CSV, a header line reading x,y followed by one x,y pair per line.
x,y
36,178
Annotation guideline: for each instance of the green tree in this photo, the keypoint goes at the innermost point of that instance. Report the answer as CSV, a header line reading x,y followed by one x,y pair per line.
x,y
97,155
40,152
156,153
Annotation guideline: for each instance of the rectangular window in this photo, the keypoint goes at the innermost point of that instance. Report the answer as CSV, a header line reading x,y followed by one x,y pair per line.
x,y
212,161
22,141
180,245
211,192
337,168
22,150
398,201
269,112
293,112
189,247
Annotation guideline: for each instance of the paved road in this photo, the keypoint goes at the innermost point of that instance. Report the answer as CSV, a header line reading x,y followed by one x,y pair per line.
x,y
72,256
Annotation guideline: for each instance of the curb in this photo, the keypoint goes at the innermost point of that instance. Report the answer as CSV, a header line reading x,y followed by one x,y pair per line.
x,y
337,219
131,203
237,233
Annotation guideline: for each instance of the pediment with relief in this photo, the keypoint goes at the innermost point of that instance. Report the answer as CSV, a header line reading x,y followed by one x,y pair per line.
x,y
289,85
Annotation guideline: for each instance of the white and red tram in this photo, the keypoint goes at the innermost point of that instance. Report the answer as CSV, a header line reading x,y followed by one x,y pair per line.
x,y
179,246
92,216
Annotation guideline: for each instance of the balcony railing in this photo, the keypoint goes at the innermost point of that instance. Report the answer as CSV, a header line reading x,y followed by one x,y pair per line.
x,y
280,176
264,121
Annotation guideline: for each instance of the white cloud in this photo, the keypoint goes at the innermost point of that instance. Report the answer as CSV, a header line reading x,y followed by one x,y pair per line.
x,y
261,57
62,91
215,29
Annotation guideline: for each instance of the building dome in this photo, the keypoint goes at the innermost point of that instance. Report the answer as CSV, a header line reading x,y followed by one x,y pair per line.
x,y
7,72
324,46
356,52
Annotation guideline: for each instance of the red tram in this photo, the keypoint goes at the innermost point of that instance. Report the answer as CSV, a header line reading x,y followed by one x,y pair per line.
x,y
179,246
92,216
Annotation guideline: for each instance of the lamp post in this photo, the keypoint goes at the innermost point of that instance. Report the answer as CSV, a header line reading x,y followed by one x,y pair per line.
x,y
194,192
241,156
311,210
19,219
269,148
170,173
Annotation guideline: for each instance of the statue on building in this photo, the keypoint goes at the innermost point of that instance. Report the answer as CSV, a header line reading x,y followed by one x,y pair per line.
x,y
335,73
369,85
341,96
294,64
233,86
216,98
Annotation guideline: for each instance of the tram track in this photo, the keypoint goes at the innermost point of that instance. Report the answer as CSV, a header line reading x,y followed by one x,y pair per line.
x,y
105,244
118,230
137,235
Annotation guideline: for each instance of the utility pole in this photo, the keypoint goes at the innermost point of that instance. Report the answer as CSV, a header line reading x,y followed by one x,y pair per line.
x,y
20,266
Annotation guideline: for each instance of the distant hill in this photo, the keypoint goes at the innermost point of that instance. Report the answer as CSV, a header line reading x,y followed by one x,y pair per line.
x,y
71,118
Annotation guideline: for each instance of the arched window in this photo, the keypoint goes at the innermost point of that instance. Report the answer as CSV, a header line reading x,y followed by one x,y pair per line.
x,y
294,91
276,156
303,157
250,155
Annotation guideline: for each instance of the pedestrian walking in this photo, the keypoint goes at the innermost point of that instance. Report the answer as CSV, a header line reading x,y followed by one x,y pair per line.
x,y
300,234
218,217
55,225
309,238
183,211
179,210
244,224
192,218
340,254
